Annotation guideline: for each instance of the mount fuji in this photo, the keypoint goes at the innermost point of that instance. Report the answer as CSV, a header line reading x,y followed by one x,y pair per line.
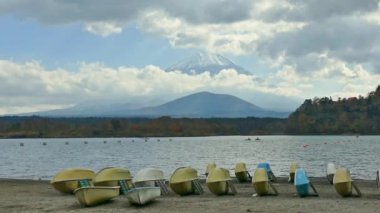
x,y
203,62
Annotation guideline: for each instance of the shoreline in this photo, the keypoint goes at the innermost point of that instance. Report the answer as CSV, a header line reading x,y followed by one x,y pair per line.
x,y
39,196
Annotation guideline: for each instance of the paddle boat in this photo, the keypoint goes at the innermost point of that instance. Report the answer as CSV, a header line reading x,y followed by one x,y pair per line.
x,y
113,176
266,166
143,195
241,173
66,181
330,172
219,182
184,181
210,167
343,183
293,168
151,177
302,183
89,195
261,182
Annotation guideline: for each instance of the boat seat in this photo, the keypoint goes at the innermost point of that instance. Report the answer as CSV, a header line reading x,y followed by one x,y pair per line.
x,y
162,185
197,187
124,188
85,183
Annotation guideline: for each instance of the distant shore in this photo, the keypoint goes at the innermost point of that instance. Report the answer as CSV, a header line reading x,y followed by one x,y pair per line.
x,y
39,196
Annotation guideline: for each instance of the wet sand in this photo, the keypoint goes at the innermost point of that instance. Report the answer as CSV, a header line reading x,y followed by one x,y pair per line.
x,y
40,196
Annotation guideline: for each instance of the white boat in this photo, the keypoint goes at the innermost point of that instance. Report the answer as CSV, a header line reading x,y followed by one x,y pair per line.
x,y
143,195
151,177
330,172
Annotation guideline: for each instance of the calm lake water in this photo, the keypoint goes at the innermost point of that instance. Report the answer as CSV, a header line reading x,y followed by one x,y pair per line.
x,y
37,161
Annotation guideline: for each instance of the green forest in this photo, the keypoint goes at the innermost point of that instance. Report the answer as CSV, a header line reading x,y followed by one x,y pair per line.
x,y
355,115
38,127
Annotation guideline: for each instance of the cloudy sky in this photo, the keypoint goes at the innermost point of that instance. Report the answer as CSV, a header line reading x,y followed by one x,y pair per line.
x,y
58,53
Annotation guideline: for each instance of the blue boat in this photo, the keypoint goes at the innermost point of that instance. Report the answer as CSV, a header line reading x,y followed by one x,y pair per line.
x,y
302,183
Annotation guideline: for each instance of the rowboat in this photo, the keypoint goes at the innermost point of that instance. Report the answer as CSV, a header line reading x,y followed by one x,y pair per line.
x,y
266,166
143,195
184,181
343,183
219,182
241,173
330,172
151,177
90,196
210,167
302,183
261,182
293,168
66,181
112,176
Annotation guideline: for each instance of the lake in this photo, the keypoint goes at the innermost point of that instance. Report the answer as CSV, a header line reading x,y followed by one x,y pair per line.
x,y
34,160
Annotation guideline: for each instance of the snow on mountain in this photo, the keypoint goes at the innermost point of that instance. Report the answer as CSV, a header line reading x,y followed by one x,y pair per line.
x,y
203,62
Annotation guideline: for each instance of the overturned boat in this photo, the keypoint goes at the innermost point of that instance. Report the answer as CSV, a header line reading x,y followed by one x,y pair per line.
x,y
302,184
210,167
151,177
241,173
260,181
219,182
113,176
343,183
66,181
94,195
270,173
184,181
292,171
330,172
143,195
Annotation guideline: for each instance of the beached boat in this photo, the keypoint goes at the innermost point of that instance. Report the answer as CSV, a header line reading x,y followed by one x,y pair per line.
x,y
330,172
302,183
293,168
151,177
112,176
241,173
66,181
143,195
261,182
266,166
184,181
210,167
343,183
219,182
90,196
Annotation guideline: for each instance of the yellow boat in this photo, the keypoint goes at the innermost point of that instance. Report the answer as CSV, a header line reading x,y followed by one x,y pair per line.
x,y
90,196
66,181
261,182
219,182
241,173
293,168
210,167
343,183
111,176
184,181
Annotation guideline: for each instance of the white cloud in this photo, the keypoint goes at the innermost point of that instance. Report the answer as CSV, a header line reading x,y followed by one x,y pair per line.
x,y
103,29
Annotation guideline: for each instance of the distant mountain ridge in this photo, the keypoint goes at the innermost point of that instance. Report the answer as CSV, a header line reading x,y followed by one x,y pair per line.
x,y
197,105
203,62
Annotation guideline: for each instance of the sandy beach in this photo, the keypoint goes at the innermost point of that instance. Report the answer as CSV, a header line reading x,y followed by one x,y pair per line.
x,y
39,196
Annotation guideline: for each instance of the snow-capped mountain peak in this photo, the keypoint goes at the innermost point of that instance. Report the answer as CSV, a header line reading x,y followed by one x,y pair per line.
x,y
202,62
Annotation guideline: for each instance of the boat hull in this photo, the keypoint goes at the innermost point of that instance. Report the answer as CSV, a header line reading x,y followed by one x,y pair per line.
x,y
261,188
66,186
92,196
143,195
66,181
182,188
218,188
343,189
302,190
